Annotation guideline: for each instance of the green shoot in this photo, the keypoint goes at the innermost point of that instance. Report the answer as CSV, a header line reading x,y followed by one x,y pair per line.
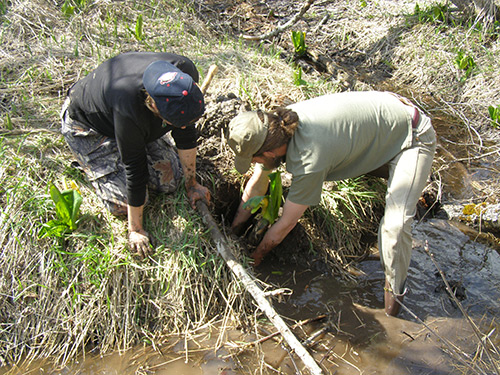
x,y
68,9
139,28
494,115
297,77
299,42
67,209
465,62
70,6
268,204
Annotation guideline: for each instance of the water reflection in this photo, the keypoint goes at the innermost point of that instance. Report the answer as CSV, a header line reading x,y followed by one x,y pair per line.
x,y
387,345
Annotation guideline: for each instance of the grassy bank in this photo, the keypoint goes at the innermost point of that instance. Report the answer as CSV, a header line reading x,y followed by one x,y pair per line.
x,y
83,291
63,295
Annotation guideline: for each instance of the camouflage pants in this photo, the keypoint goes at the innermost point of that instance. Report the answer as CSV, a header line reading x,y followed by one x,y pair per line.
x,y
99,157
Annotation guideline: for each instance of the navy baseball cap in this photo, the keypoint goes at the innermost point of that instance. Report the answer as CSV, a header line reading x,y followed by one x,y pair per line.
x,y
177,97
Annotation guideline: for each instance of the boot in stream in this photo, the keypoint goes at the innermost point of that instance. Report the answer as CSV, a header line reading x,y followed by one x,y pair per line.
x,y
392,306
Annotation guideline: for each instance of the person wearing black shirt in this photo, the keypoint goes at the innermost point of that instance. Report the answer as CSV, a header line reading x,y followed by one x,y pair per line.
x,y
115,119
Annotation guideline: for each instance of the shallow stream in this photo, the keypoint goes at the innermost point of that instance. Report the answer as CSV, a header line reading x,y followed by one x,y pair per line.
x,y
384,345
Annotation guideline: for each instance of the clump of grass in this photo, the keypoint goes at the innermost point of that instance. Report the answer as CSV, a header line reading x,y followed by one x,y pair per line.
x,y
348,217
87,291
434,13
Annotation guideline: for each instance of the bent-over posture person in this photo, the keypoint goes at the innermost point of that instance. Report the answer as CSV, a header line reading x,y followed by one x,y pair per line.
x,y
335,137
114,120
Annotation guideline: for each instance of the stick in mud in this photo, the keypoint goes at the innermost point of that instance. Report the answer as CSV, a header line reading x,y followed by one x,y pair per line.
x,y
257,293
208,79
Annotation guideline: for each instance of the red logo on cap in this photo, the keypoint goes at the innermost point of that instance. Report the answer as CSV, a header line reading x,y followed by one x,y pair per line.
x,y
167,77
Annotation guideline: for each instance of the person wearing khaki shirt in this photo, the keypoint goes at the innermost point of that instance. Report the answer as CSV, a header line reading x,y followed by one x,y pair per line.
x,y
335,137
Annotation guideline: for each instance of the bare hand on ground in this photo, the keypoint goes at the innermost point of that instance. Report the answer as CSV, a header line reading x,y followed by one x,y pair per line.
x,y
197,192
257,257
138,242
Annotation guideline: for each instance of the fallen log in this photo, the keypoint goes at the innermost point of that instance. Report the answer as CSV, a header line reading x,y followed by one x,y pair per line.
x,y
257,293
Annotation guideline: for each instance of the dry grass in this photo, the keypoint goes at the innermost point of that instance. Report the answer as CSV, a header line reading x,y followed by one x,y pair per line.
x,y
62,297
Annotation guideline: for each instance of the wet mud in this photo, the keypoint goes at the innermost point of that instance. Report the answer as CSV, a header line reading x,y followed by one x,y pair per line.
x,y
375,343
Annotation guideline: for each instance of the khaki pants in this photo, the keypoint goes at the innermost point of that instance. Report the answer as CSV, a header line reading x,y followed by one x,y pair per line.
x,y
408,175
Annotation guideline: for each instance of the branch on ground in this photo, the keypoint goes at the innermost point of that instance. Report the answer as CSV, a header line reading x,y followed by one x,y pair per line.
x,y
281,28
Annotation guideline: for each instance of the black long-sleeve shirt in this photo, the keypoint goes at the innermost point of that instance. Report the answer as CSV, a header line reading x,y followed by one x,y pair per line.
x,y
111,100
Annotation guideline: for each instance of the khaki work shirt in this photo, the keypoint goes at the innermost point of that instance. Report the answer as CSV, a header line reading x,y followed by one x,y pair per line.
x,y
342,136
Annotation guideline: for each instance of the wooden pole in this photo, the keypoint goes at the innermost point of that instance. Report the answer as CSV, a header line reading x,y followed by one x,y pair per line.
x,y
251,286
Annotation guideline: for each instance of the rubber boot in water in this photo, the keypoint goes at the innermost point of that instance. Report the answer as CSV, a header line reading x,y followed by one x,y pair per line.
x,y
392,306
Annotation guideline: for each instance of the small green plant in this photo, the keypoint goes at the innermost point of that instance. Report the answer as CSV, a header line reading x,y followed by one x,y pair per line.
x,y
465,62
139,34
433,14
297,77
269,206
494,115
70,6
67,209
299,42
68,9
